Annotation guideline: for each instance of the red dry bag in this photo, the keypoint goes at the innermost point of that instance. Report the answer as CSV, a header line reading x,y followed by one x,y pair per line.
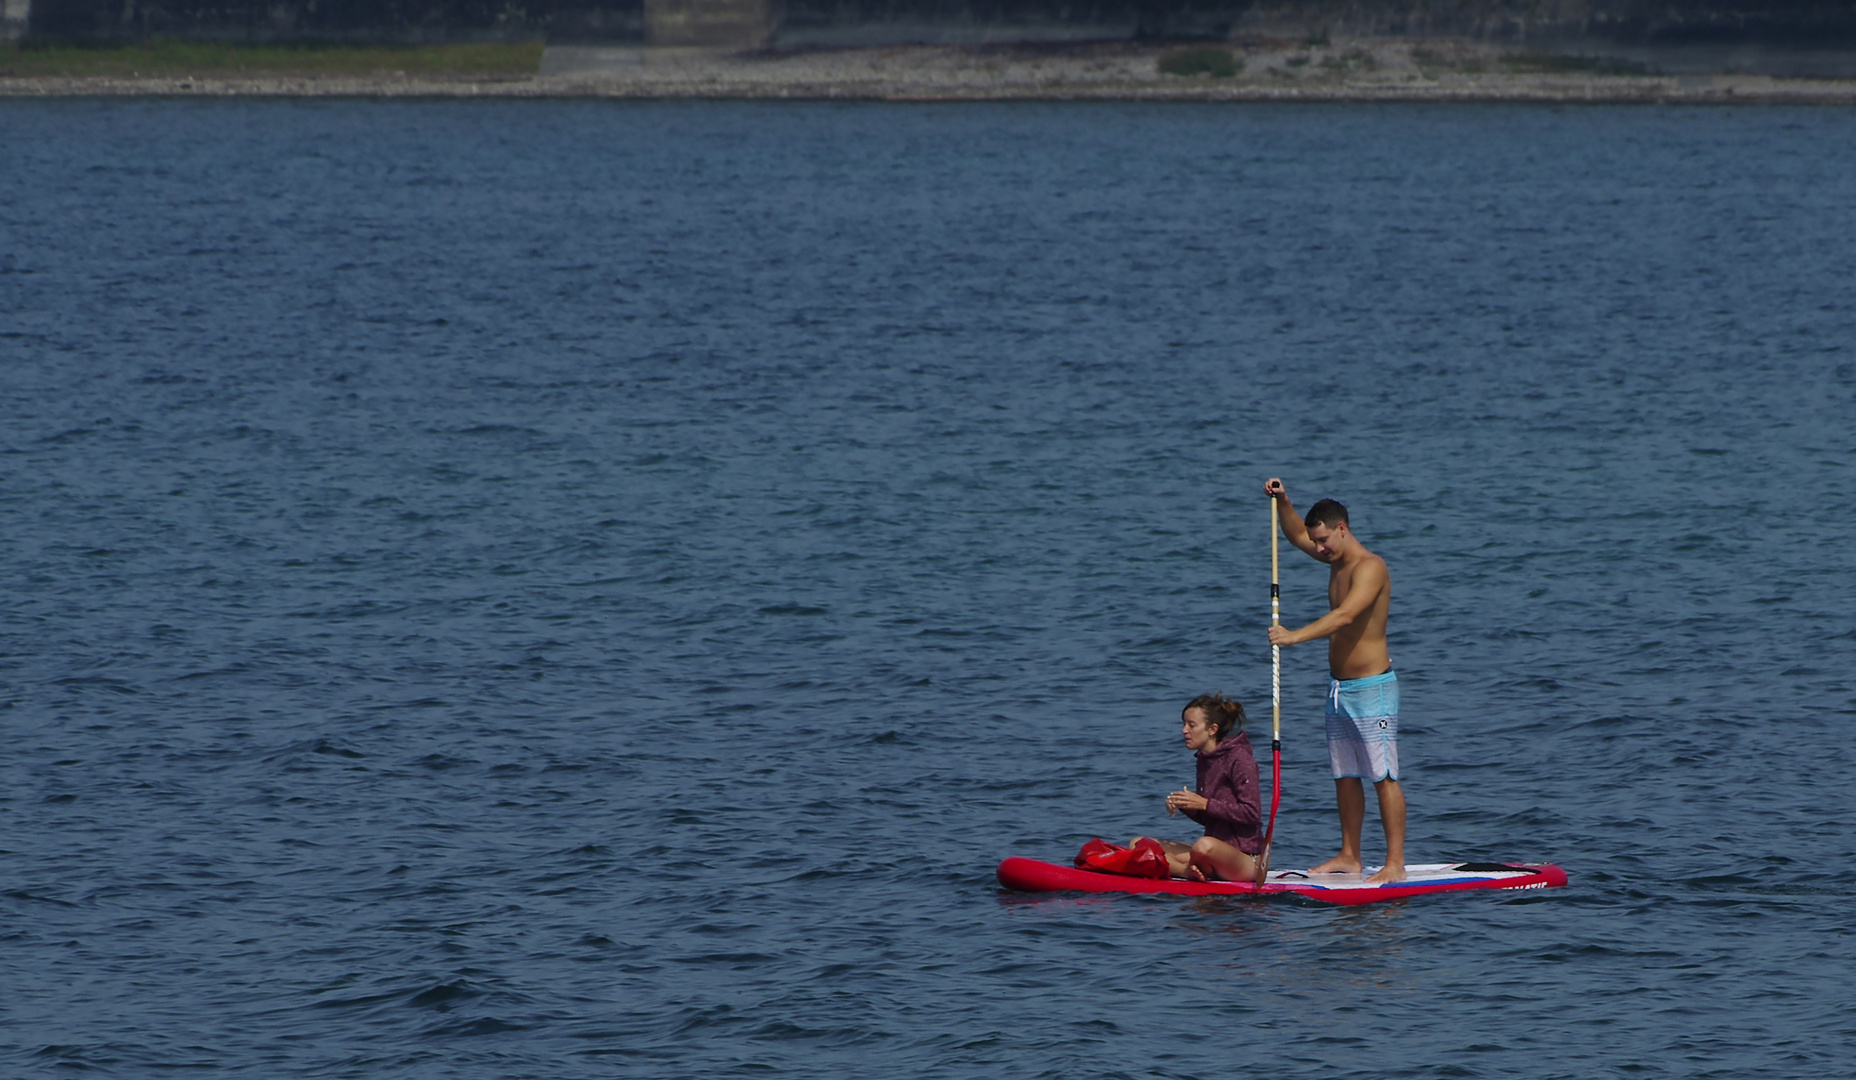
x,y
1145,859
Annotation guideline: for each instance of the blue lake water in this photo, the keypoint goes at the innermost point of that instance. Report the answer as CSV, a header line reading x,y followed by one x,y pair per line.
x,y
571,589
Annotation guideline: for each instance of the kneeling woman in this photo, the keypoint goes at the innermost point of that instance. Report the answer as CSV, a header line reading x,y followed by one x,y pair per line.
x,y
1227,802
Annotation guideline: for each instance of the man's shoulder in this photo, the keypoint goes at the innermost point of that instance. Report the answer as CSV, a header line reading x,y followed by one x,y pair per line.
x,y
1384,574
1368,559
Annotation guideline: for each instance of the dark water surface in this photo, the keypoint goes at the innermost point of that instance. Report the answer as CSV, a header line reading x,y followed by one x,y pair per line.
x,y
578,589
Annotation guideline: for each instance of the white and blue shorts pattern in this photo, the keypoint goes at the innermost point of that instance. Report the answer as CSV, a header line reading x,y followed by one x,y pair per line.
x,y
1363,727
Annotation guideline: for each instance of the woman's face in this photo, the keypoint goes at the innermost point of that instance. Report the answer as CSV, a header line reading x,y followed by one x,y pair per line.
x,y
1198,729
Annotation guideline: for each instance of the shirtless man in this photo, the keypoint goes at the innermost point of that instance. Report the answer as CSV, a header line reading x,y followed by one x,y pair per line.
x,y
1362,708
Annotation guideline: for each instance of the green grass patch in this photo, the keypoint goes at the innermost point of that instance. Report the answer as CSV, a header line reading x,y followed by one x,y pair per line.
x,y
1203,60
165,57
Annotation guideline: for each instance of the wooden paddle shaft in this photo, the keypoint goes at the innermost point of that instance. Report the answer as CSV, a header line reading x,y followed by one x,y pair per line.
x,y
1263,857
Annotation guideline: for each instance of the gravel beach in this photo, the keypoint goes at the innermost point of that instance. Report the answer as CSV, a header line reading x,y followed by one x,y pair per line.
x,y
1267,70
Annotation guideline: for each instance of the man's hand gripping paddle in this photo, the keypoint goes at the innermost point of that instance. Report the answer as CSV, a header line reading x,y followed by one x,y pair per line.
x,y
1263,861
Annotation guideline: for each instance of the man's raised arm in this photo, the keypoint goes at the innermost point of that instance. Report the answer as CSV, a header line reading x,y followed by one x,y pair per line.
x,y
1292,528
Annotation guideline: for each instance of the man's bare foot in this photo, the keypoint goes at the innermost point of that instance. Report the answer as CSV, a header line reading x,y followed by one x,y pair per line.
x,y
1339,864
1387,875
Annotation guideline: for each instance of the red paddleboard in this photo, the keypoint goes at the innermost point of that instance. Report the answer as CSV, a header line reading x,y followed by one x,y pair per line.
x,y
1030,875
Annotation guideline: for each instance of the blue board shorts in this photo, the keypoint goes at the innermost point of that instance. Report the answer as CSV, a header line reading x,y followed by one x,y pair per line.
x,y
1363,727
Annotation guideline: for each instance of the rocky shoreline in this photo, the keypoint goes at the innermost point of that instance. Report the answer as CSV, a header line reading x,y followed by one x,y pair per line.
x,y
1266,70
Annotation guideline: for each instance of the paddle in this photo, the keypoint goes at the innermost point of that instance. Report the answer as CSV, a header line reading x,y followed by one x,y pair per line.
x,y
1263,861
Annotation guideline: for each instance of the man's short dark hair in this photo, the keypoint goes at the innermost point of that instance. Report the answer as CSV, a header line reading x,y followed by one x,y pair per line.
x,y
1326,512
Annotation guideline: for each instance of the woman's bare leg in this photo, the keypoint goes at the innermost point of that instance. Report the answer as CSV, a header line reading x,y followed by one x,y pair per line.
x,y
1178,855
1215,860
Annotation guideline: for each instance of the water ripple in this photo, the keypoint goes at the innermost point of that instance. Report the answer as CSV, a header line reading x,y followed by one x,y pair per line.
x,y
547,588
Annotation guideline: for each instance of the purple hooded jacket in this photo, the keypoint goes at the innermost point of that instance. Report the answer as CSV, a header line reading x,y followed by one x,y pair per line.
x,y
1228,780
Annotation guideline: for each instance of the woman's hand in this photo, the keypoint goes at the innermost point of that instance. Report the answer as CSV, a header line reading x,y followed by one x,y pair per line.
x,y
1184,800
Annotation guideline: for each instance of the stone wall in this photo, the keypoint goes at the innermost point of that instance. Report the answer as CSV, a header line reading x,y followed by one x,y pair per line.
x,y
617,22
15,15
732,23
